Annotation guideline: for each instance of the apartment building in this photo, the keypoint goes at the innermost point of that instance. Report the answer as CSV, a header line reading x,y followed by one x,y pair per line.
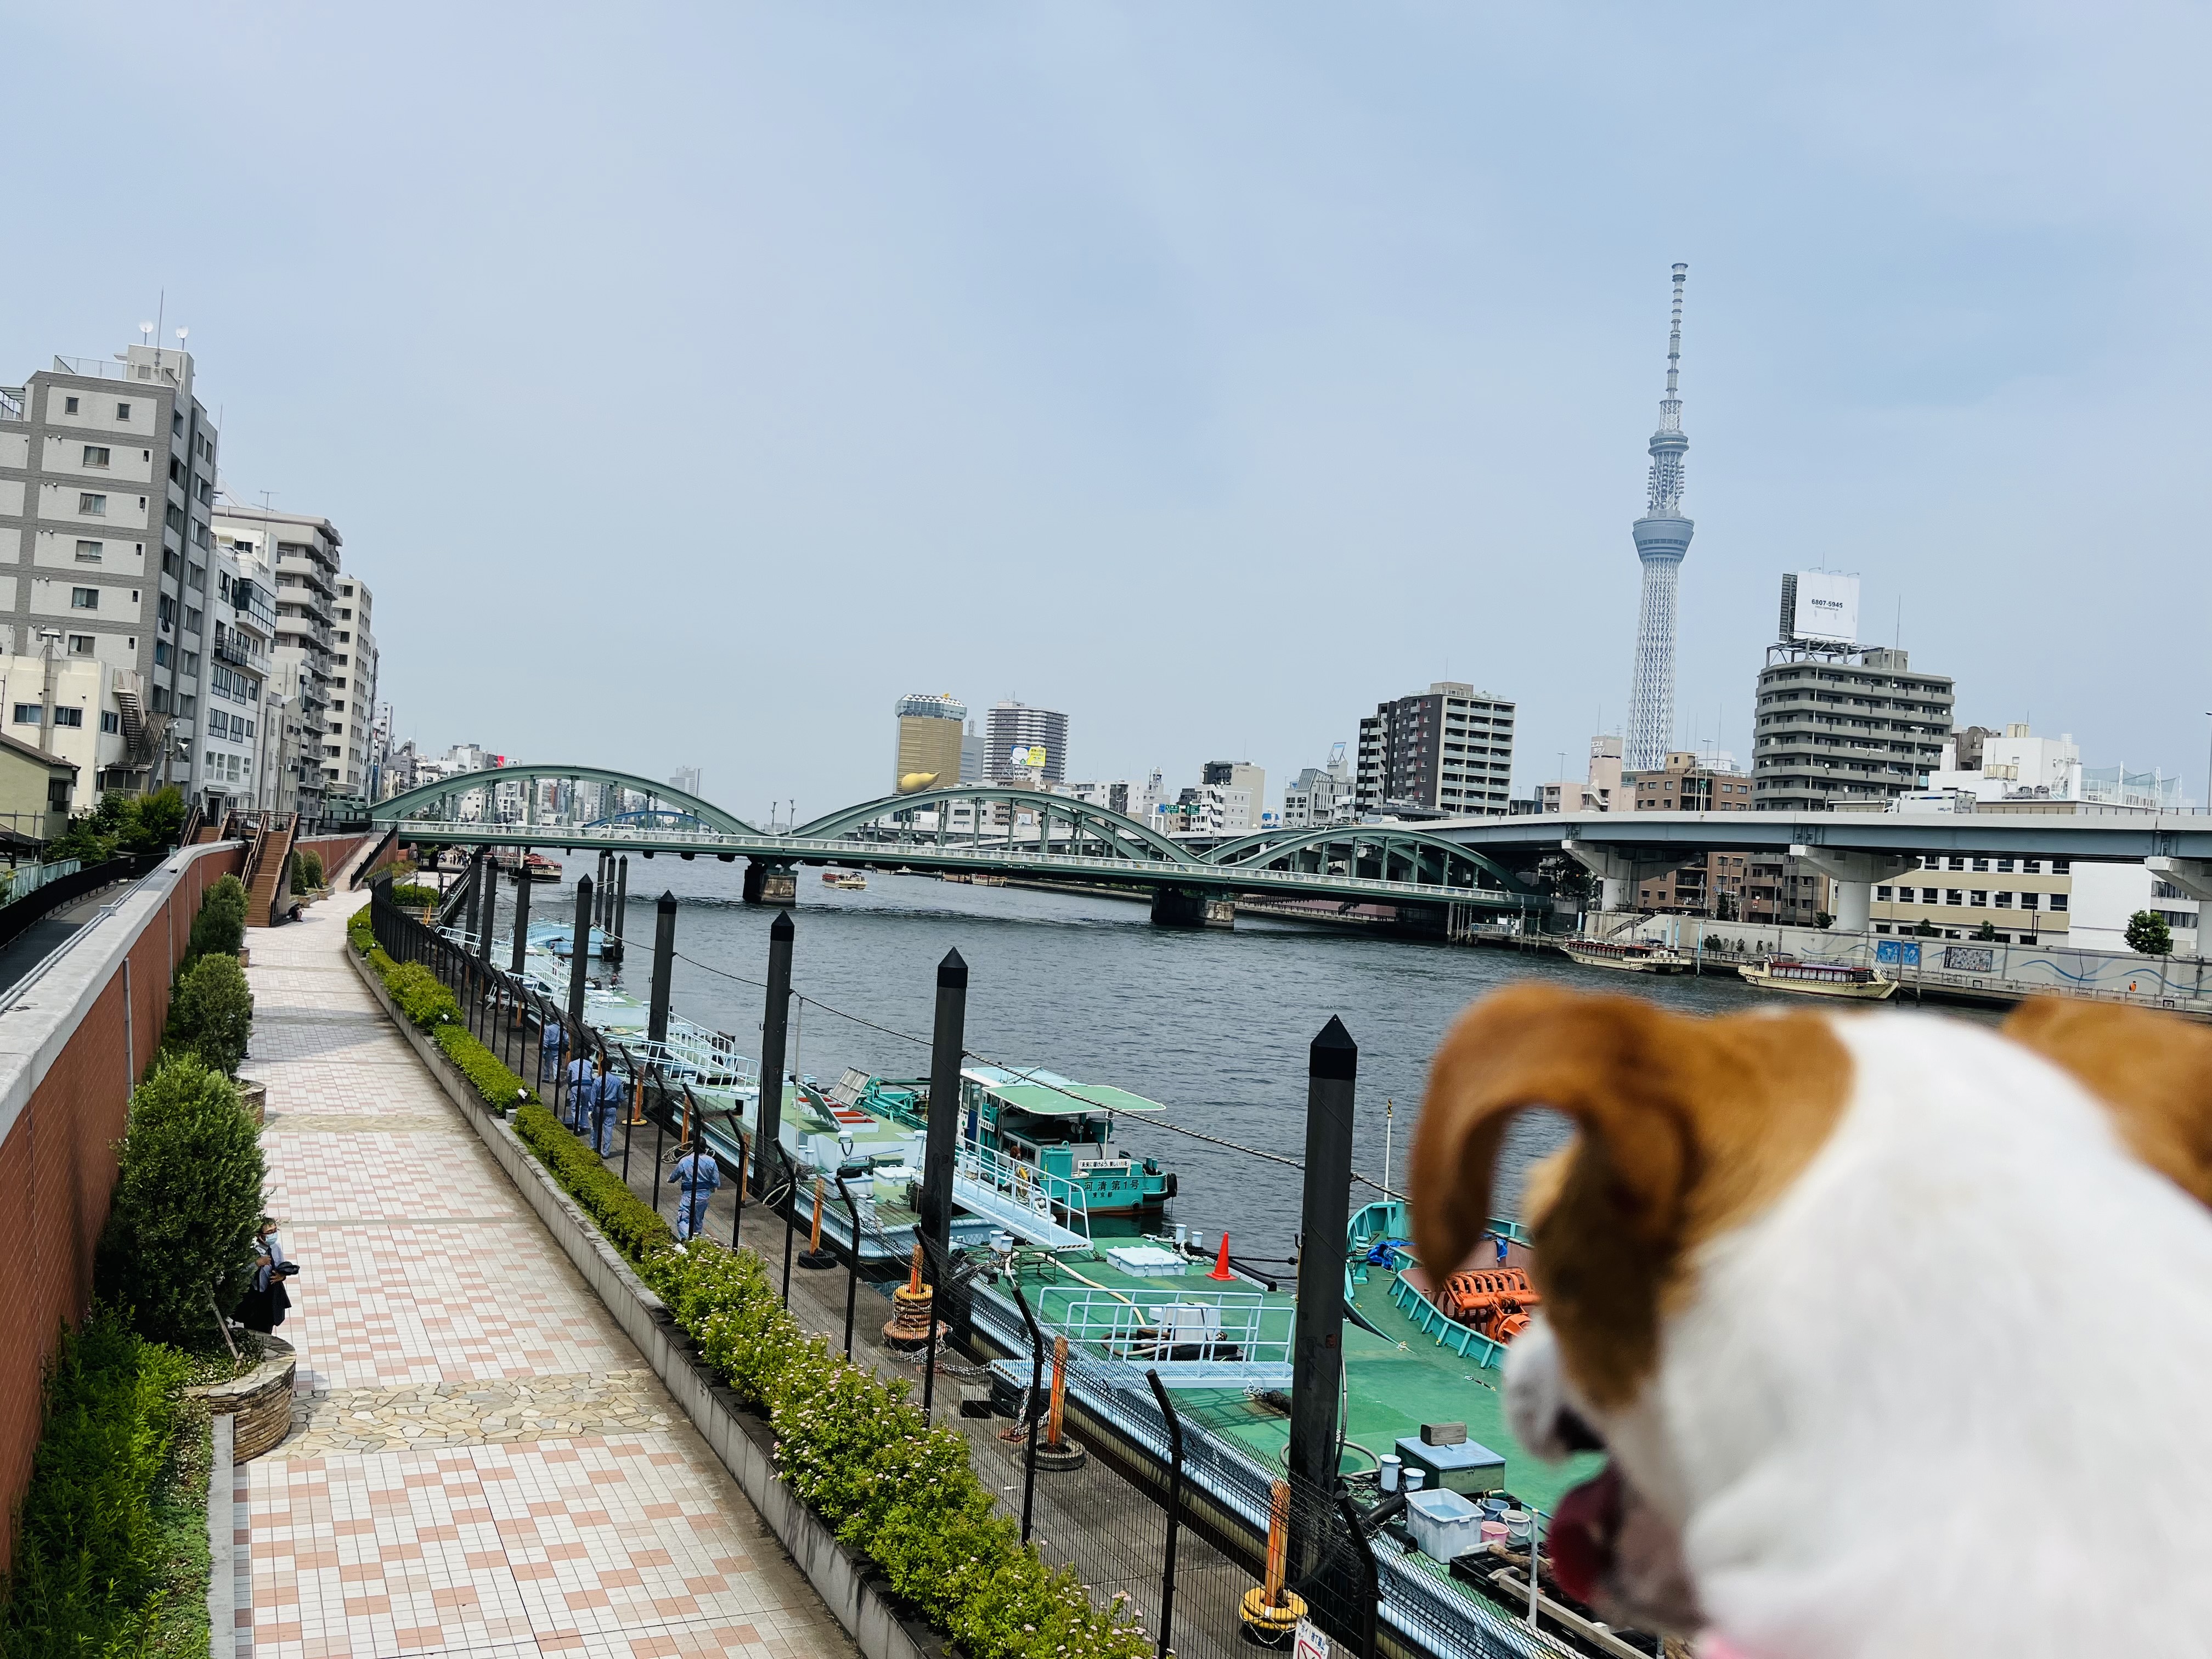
x,y
349,749
1689,783
1240,775
1320,795
107,477
1132,797
1210,809
1446,752
1024,745
240,762
1835,728
298,555
2022,900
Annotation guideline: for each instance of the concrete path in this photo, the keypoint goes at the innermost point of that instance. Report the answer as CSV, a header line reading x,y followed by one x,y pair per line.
x,y
480,1463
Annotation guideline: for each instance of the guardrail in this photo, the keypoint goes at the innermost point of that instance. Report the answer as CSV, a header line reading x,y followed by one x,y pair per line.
x,y
1178,1332
24,880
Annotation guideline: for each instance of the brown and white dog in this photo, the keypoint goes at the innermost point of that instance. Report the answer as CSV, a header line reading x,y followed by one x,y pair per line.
x,y
1897,1329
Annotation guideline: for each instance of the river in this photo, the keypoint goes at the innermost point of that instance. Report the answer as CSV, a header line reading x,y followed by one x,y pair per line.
x,y
1214,1026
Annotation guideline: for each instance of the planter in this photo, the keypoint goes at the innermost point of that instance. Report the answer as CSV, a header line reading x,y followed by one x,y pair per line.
x,y
258,1404
254,1096
246,958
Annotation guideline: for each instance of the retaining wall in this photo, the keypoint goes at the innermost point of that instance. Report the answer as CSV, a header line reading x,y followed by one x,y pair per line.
x,y
72,1040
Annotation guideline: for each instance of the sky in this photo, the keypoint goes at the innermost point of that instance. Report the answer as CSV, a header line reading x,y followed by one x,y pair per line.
x,y
688,383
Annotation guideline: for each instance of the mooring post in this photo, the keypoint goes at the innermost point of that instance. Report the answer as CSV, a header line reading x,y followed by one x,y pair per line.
x,y
1174,1510
579,948
620,914
774,1022
1317,1342
1036,1385
664,963
522,916
944,1133
490,908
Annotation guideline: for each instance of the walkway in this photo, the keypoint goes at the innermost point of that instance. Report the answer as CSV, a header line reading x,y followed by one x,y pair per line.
x,y
480,1462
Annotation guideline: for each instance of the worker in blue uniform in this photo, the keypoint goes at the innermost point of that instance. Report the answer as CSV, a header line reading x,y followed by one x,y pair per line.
x,y
607,1109
697,1175
583,1090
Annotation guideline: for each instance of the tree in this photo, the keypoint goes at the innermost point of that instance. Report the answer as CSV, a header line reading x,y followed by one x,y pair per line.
x,y
1986,933
211,1013
122,823
2148,935
1561,876
220,928
188,1201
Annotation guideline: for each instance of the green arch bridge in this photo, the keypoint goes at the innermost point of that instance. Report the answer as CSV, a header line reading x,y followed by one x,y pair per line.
x,y
991,830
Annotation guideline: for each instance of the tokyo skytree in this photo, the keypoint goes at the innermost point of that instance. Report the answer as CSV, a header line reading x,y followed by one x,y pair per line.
x,y
1663,538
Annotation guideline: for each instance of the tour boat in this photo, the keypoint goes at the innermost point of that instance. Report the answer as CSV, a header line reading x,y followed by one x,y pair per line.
x,y
1819,979
852,881
538,867
1629,956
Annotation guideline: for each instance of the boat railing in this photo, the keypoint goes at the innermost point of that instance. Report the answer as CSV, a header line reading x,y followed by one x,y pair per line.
x,y
1050,1198
1188,1334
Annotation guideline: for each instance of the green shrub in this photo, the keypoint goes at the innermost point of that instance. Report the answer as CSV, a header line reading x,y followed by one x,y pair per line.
x,y
631,1224
414,896
220,928
122,823
421,996
186,1203
211,1013
501,1089
110,1552
307,871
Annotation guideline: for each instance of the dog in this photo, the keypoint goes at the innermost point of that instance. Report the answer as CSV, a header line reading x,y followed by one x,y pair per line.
x,y
1896,1330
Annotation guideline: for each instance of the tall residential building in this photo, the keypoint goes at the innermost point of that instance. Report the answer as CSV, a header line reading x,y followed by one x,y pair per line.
x,y
1662,540
107,478
298,555
1240,775
1844,727
686,779
927,756
1020,742
349,748
1446,752
239,760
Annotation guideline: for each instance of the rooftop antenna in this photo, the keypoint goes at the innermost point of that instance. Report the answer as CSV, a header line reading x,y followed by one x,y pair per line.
x,y
160,316
146,329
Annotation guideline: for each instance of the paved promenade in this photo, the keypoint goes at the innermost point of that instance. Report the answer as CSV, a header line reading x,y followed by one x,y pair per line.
x,y
480,1463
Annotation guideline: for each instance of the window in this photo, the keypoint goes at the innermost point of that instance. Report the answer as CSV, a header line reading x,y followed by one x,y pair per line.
x,y
110,721
80,645
2031,866
90,552
185,706
1957,863
249,731
84,599
123,412
191,663
163,656
1883,895
1929,895
2060,867
191,619
1954,895
27,713
69,405
2004,866
1981,864
95,505
2058,900
2030,901
1979,898
95,455
68,717
165,612
58,794
2004,901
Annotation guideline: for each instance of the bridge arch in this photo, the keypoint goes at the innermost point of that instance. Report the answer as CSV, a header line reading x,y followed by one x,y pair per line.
x,y
403,807
1427,859
1118,834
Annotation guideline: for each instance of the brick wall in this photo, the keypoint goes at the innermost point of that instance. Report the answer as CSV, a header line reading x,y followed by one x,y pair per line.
x,y
56,1163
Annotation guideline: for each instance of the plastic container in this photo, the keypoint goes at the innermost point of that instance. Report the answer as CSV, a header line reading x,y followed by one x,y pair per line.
x,y
1518,1526
1443,1524
1412,1478
1491,1531
1387,1476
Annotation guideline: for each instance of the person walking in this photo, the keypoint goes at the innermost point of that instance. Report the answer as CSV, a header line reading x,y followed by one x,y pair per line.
x,y
583,1090
697,1175
606,1108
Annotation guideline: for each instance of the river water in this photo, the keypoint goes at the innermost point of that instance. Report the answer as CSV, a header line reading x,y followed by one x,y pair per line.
x,y
1214,1026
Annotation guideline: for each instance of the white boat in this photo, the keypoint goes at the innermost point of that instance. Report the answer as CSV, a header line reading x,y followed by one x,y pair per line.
x,y
851,881
1627,957
1819,979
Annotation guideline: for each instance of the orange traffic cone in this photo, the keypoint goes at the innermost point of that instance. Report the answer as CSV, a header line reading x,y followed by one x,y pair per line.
x,y
1221,1262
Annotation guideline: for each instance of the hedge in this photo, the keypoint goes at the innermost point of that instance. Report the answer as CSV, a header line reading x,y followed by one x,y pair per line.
x,y
111,1549
851,1447
210,1012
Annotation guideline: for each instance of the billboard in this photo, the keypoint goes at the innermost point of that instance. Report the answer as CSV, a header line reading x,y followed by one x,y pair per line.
x,y
1827,607
1022,755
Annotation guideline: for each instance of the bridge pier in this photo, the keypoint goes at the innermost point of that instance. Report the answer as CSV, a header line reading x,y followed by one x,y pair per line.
x,y
770,884
1184,907
1854,875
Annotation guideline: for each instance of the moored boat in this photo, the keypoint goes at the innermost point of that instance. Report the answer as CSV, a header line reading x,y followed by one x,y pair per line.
x,y
1627,957
1819,979
851,881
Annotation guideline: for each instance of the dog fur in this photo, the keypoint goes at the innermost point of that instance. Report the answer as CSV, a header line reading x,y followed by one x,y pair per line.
x,y
1898,1329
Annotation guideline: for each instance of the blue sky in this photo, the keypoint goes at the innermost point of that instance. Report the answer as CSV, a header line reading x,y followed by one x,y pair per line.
x,y
688,383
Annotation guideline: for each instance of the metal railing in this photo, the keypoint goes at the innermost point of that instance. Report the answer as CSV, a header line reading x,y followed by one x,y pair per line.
x,y
24,880
1055,1200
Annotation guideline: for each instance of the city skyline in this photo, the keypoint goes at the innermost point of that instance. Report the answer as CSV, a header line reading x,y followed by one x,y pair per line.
x,y
1063,347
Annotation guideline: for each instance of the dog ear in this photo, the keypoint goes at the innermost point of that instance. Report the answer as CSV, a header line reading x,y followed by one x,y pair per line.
x,y
1604,1061
2153,1071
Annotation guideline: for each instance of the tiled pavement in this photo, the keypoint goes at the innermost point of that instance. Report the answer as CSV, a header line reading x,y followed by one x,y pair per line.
x,y
480,1464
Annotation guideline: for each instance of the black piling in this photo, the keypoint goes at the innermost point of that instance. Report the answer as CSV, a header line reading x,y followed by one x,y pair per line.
x,y
775,1029
1317,1346
522,916
620,912
664,962
949,1043
579,951
490,917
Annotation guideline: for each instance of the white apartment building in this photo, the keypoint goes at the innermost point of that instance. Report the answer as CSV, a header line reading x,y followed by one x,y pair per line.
x,y
349,749
1209,809
1320,795
240,756
1132,797
298,555
108,470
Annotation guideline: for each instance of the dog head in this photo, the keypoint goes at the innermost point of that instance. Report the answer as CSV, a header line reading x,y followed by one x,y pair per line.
x,y
1661,1269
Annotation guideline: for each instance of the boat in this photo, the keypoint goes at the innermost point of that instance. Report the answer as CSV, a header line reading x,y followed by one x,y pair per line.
x,y
1628,956
851,881
1819,979
981,879
538,867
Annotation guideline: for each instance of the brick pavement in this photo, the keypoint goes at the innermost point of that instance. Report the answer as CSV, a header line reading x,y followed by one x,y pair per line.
x,y
480,1463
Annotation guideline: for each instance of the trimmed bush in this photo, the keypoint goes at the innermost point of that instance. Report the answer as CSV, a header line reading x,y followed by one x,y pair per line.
x,y
186,1202
211,1013
361,933
110,1552
307,871
631,1224
413,896
501,1089
422,996
220,928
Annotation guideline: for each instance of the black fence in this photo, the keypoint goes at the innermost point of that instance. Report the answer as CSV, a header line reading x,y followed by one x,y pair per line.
x,y
1147,1501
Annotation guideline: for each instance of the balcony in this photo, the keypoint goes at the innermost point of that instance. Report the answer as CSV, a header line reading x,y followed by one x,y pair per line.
x,y
13,401
110,368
